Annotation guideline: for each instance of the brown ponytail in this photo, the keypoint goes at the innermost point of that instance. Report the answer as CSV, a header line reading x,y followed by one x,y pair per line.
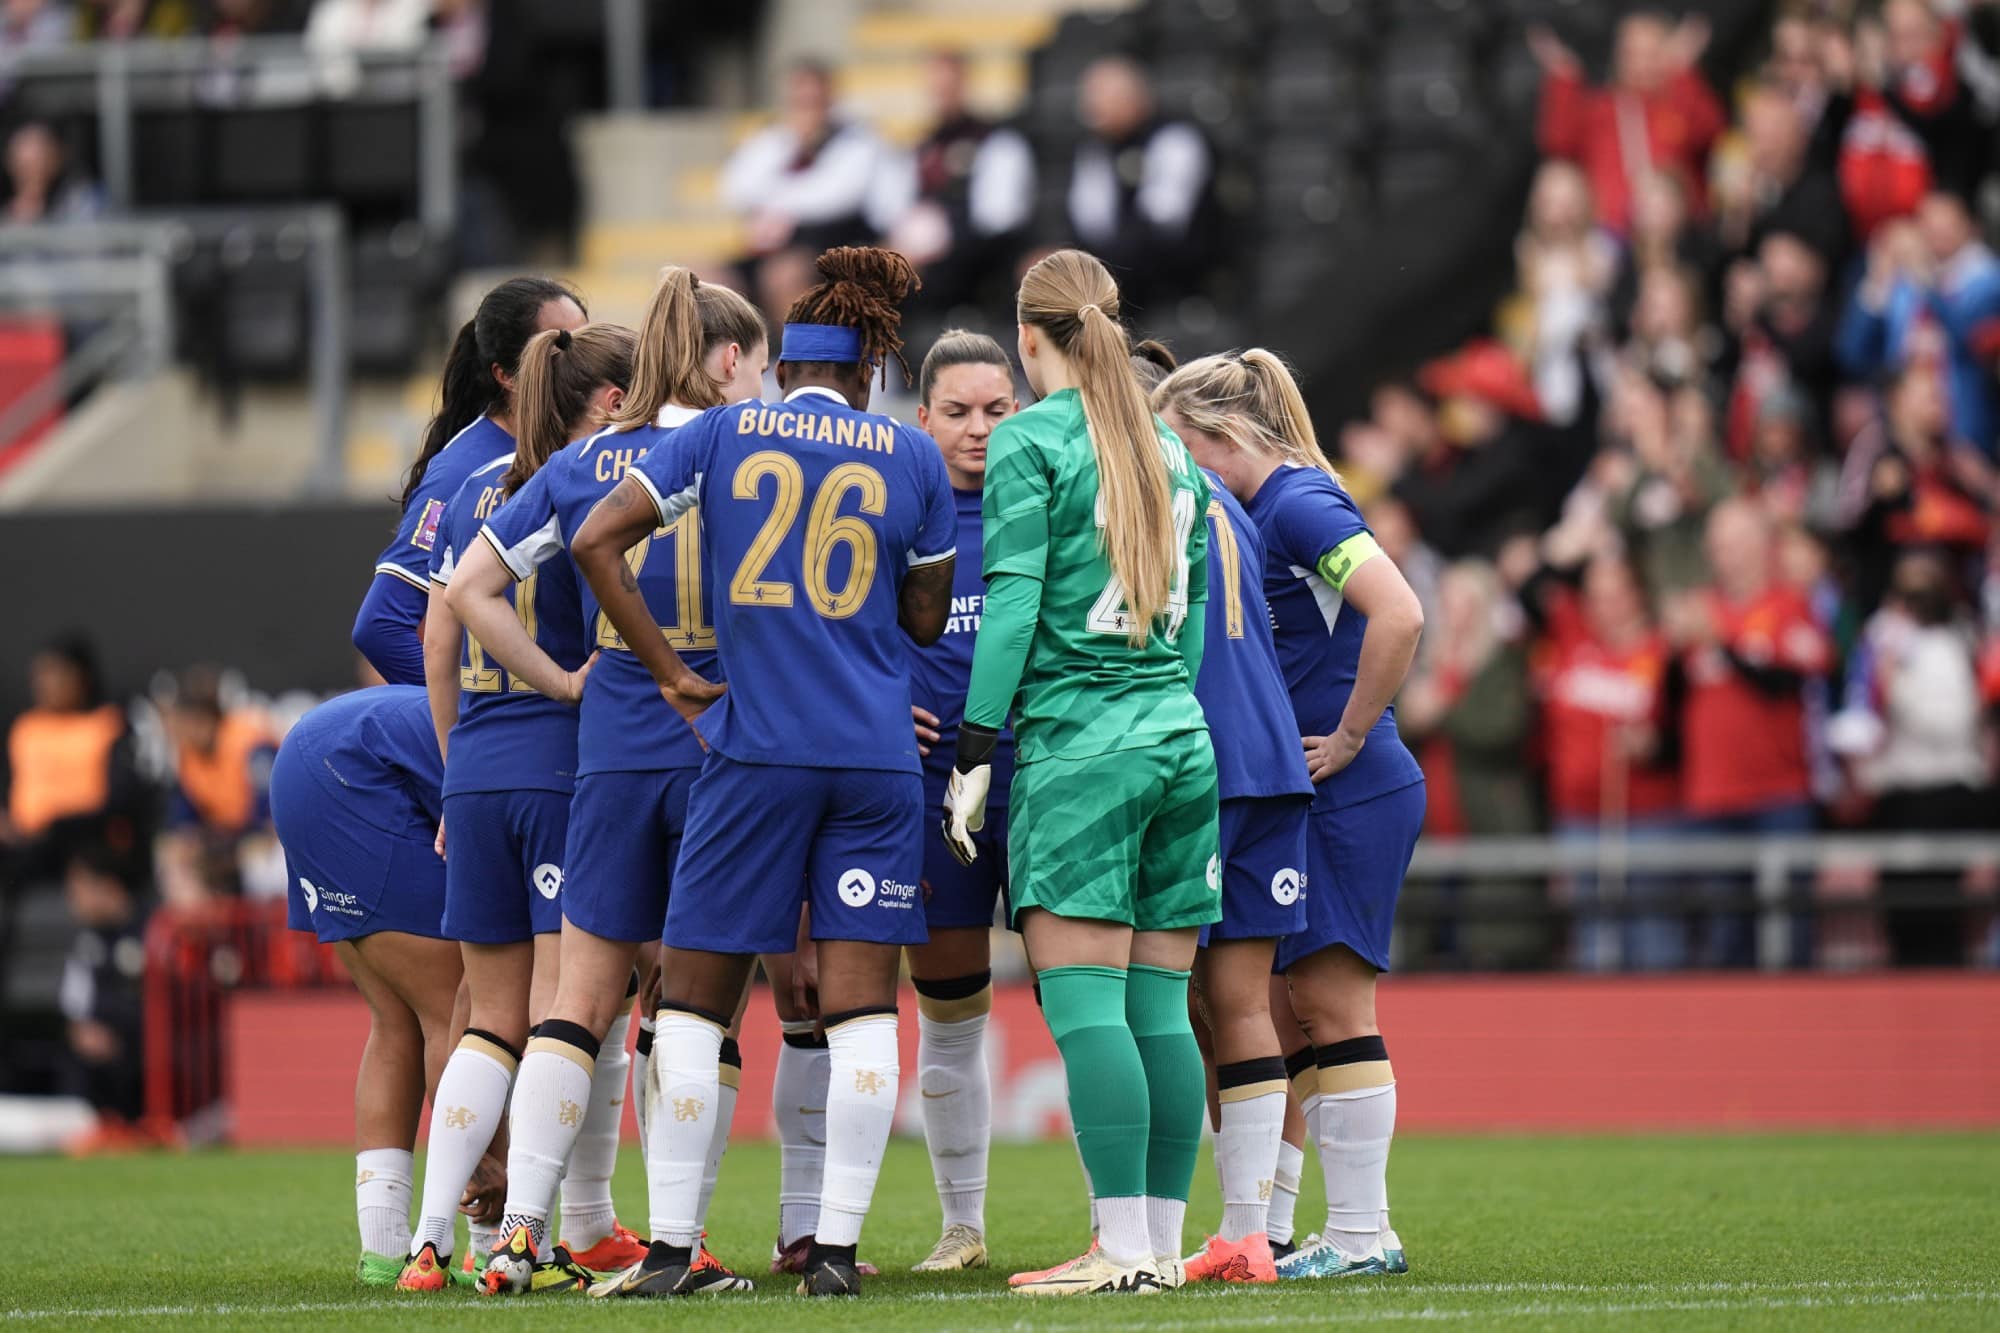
x,y
1250,399
559,372
686,320
1071,299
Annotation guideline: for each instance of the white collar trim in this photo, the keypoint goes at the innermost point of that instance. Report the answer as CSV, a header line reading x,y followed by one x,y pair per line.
x,y
819,389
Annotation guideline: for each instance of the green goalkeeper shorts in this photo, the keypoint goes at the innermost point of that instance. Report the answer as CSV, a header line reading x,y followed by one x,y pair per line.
x,y
1127,836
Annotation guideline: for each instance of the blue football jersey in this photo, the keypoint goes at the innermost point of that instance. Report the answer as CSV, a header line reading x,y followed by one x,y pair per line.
x,y
408,555
509,736
375,754
1302,514
624,724
811,514
1241,687
941,673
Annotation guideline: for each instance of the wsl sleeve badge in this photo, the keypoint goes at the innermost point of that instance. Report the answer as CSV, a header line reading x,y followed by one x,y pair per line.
x,y
425,536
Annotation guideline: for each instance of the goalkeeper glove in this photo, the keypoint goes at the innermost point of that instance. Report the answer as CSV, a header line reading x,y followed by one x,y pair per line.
x,y
965,792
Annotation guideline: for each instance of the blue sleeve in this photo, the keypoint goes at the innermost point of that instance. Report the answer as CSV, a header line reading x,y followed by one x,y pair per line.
x,y
937,538
1859,344
671,466
527,531
452,534
1962,313
387,629
1311,521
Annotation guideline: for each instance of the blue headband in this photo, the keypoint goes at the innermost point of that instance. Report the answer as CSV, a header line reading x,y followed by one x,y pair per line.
x,y
820,342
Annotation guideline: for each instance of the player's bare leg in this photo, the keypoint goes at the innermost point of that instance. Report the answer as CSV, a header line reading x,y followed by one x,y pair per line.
x,y
1233,979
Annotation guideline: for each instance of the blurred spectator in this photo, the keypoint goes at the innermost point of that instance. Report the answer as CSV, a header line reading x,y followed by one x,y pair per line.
x,y
1656,113
802,184
1601,667
28,25
1932,296
119,20
102,989
1778,330
1670,339
1421,567
339,26
1565,267
72,777
1923,81
1748,645
521,189
221,787
251,18
40,187
1792,480
1664,238
959,203
1910,732
1775,185
1663,481
1141,192
1468,715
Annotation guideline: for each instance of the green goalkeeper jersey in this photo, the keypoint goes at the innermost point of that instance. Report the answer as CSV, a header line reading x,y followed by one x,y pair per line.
x,y
1085,689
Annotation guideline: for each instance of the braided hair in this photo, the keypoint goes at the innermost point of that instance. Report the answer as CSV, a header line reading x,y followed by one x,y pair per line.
x,y
861,287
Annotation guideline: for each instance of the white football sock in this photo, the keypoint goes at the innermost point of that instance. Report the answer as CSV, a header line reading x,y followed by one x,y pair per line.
x,y
482,1240
1123,1232
550,1095
1285,1192
958,1113
382,1187
862,1082
1166,1219
730,1077
1247,1148
471,1098
642,1100
686,1063
798,1104
587,1211
1355,1129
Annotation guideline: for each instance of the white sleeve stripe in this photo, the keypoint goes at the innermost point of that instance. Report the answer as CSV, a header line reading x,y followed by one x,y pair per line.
x,y
652,493
919,561
533,551
391,568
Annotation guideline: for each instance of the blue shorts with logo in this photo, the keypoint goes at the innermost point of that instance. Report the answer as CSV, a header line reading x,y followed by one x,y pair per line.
x,y
347,878
503,867
763,839
1356,858
624,837
958,896
1263,842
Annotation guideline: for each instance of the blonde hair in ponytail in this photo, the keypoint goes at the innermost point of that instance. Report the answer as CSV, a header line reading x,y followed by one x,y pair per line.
x,y
559,372
1072,300
1249,398
686,320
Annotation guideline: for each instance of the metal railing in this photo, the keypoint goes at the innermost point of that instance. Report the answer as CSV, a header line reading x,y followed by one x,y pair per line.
x,y
122,273
116,80
1777,874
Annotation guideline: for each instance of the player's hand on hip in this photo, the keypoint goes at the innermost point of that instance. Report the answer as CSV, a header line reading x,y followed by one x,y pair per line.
x,y
1327,755
926,723
572,686
965,792
692,696
438,846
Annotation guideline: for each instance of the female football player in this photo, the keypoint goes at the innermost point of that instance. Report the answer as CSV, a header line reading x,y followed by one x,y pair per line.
x,y
1346,626
1094,557
965,389
473,426
829,534
510,756
700,346
355,799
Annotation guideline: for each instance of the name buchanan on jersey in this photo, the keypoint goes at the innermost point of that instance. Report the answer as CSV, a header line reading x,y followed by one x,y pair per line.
x,y
874,436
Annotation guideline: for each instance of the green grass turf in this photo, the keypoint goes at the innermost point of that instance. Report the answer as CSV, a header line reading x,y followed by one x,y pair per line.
x,y
1780,1232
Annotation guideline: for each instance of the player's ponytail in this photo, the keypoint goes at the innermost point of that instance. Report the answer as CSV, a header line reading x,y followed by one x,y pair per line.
x,y
686,320
559,372
494,336
1250,399
1070,298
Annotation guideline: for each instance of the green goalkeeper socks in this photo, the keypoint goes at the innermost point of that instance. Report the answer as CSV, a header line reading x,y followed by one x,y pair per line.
x,y
1085,1008
1156,1008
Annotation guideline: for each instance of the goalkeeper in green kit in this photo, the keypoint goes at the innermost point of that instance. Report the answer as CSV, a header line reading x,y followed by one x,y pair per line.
x,y
1096,570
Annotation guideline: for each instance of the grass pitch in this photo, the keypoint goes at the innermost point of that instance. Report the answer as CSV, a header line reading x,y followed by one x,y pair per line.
x,y
1824,1232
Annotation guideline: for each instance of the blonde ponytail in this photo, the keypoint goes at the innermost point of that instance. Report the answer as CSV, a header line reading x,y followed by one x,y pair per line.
x,y
559,372
686,319
1071,298
1250,399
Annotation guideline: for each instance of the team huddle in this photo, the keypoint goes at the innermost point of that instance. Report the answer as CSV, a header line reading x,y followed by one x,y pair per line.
x,y
686,684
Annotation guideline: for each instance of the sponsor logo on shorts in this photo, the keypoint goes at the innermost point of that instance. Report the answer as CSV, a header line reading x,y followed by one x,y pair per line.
x,y
334,901
857,887
1286,886
893,893
547,880
1215,874
312,894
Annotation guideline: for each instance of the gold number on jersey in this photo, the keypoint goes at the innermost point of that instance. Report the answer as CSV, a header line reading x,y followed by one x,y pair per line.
x,y
1231,556
476,677
749,587
827,529
692,630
